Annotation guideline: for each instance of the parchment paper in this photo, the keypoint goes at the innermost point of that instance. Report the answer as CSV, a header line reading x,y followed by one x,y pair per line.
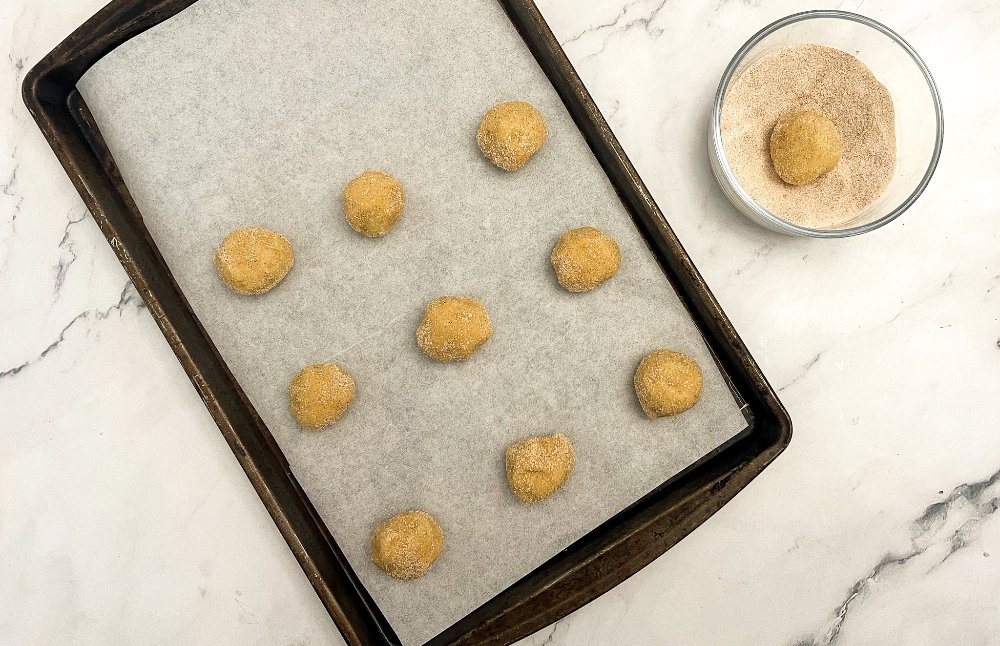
x,y
257,112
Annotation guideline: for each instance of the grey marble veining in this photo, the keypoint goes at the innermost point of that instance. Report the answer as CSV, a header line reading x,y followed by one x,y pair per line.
x,y
877,525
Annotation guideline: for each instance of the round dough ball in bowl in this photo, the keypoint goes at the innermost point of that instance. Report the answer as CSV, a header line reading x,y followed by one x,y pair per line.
x,y
805,145
453,328
511,133
667,383
254,260
373,202
407,545
320,395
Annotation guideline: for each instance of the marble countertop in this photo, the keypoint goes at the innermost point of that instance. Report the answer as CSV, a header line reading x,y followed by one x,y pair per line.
x,y
125,519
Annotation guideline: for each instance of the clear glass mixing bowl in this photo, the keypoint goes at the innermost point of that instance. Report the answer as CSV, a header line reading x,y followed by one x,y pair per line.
x,y
917,105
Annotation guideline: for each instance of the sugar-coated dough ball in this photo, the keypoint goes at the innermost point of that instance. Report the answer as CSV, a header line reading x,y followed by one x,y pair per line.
x,y
584,258
406,545
667,383
320,395
373,201
538,466
804,146
511,133
453,328
253,260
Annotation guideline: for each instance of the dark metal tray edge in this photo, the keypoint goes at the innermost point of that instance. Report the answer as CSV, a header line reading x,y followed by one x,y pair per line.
x,y
594,564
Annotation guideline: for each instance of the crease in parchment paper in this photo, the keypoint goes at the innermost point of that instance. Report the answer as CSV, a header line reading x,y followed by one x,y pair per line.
x,y
256,113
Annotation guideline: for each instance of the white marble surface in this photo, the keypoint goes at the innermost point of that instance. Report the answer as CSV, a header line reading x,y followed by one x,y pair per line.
x,y
124,518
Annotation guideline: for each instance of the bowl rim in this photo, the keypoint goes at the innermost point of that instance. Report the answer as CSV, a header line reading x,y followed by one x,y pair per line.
x,y
784,225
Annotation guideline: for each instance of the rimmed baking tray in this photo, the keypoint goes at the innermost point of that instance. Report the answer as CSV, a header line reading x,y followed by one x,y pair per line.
x,y
592,565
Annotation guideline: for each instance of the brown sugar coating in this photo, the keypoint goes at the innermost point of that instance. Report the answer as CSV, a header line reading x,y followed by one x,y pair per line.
x,y
253,260
511,133
453,328
539,466
584,258
406,545
805,145
373,202
667,383
320,395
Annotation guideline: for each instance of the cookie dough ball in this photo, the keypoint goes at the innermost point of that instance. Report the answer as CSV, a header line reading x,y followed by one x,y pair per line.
x,y
538,466
804,146
253,260
667,383
406,545
320,395
511,133
373,201
584,258
453,328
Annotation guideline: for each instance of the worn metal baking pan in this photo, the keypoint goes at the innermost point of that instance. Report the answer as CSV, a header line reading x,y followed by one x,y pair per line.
x,y
591,566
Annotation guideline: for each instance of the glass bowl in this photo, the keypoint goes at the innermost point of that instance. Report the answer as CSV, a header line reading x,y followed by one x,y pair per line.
x,y
917,105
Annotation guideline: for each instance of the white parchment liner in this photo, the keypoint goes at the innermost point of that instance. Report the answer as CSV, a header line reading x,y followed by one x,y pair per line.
x,y
257,112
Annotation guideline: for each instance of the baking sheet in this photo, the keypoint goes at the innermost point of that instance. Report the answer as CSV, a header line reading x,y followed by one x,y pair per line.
x,y
253,112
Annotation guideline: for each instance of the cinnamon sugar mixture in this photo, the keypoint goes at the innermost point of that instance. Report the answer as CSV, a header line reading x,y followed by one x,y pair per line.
x,y
836,84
